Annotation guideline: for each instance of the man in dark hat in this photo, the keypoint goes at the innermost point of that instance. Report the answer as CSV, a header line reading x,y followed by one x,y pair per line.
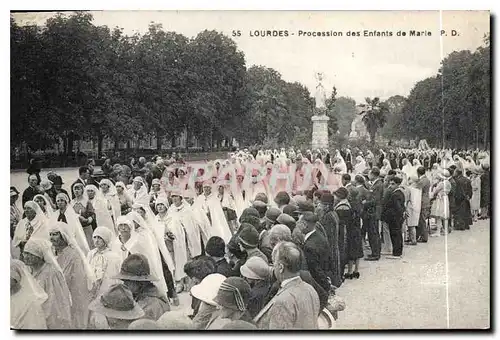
x,y
31,191
393,215
317,251
287,220
463,194
57,188
216,249
291,210
118,307
377,194
329,220
271,216
305,206
282,198
248,240
136,276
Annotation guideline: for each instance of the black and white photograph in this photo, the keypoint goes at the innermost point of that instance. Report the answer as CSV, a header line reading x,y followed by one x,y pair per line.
x,y
250,170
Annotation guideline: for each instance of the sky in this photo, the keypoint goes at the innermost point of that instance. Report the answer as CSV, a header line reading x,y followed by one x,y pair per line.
x,y
358,67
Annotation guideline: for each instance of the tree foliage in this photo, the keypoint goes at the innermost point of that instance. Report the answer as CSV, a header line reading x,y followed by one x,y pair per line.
x,y
74,80
375,116
454,104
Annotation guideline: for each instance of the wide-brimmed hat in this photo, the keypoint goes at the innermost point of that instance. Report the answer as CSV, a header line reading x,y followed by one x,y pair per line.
x,y
135,268
207,289
117,303
255,268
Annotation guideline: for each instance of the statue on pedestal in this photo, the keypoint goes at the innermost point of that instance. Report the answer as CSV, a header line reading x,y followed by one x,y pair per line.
x,y
320,95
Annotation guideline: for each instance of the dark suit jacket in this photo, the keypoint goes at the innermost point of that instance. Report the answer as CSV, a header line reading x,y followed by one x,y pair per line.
x,y
353,199
424,184
377,196
319,259
29,194
394,207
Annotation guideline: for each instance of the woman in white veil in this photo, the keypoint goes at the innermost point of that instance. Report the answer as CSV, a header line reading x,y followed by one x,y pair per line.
x,y
147,245
48,274
386,166
360,165
66,214
158,230
26,299
44,204
108,190
340,163
102,208
34,224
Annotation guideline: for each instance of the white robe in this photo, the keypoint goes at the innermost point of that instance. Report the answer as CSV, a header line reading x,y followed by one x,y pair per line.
x,y
211,205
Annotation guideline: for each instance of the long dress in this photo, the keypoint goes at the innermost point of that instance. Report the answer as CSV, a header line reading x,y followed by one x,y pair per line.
x,y
330,222
211,206
179,246
26,311
74,273
106,264
475,202
354,245
57,308
344,212
441,206
414,206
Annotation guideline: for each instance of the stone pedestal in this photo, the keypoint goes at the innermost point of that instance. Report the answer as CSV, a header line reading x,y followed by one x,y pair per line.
x,y
320,132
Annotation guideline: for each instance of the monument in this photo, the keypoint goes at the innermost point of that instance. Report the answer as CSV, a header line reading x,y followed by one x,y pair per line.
x,y
320,119
358,128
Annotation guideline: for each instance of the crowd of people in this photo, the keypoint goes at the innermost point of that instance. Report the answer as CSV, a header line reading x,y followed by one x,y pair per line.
x,y
260,240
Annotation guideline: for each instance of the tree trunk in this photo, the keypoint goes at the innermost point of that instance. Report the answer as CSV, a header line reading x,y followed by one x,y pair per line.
x,y
158,141
100,139
115,147
187,137
172,140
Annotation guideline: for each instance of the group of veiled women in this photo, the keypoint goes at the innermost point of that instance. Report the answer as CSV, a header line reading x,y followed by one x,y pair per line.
x,y
69,253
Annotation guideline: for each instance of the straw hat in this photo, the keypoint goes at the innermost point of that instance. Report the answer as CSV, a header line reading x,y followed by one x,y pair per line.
x,y
117,303
207,289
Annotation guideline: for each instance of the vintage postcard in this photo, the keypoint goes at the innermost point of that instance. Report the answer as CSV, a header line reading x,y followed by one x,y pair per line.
x,y
250,170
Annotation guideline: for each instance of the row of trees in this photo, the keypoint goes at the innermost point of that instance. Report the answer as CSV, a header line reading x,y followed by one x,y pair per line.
x,y
73,80
451,108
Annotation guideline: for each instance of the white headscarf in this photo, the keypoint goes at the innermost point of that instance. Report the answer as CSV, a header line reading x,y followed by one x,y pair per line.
x,y
158,230
39,223
42,249
48,206
103,209
74,225
70,240
30,295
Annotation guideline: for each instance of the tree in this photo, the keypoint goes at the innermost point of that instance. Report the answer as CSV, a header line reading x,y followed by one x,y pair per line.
x,y
395,104
375,114
330,109
344,112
